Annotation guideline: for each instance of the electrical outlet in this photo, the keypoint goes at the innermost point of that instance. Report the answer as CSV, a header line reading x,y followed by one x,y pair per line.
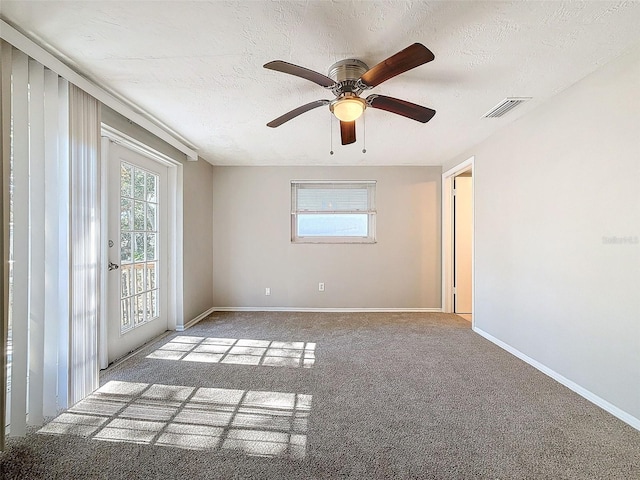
x,y
321,287
267,291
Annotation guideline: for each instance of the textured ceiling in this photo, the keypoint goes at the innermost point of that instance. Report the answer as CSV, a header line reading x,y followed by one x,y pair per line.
x,y
197,67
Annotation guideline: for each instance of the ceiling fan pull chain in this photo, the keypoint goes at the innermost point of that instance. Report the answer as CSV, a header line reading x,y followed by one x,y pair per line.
x,y
331,133
364,134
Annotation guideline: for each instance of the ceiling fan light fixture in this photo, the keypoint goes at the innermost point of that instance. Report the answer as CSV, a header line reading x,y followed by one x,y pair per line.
x,y
348,108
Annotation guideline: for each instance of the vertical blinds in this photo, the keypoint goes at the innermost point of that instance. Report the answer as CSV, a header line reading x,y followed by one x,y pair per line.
x,y
51,320
5,168
84,134
37,315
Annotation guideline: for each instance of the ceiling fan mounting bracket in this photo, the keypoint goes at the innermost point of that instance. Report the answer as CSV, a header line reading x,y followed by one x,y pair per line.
x,y
370,99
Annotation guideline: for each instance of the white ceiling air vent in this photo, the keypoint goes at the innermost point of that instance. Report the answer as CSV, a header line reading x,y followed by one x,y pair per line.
x,y
505,106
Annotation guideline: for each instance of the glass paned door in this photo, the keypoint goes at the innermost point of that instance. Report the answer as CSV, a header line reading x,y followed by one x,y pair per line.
x,y
138,246
137,277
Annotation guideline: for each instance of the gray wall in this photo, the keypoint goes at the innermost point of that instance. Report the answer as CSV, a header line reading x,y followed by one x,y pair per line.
x,y
551,191
197,221
253,250
198,238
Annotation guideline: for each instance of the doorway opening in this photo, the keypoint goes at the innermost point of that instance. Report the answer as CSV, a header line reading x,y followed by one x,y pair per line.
x,y
457,240
142,252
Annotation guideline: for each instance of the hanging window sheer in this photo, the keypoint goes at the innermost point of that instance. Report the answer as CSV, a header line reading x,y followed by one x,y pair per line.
x,y
51,319
333,212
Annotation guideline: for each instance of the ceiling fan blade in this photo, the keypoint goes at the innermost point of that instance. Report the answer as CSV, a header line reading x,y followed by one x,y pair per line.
x,y
348,132
291,69
295,112
401,107
411,57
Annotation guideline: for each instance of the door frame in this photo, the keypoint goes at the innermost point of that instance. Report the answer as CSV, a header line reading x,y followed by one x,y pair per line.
x,y
448,236
175,311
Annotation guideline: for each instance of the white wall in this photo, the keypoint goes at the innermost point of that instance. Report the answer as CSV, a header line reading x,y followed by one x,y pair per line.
x,y
550,191
253,249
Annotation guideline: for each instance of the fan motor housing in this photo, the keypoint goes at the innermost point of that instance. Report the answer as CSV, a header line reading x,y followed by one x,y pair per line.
x,y
349,69
346,74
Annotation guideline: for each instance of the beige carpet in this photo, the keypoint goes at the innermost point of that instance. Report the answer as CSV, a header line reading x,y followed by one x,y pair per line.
x,y
312,395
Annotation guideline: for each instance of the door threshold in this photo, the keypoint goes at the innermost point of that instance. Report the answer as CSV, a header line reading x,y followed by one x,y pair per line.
x,y
120,360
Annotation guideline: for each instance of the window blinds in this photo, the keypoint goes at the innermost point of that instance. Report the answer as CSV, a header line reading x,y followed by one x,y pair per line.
x,y
85,261
313,197
50,325
37,314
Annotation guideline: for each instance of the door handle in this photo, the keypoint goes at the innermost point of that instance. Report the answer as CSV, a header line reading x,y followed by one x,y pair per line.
x,y
113,266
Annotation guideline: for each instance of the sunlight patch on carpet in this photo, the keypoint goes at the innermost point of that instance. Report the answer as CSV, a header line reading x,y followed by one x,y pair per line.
x,y
238,351
258,423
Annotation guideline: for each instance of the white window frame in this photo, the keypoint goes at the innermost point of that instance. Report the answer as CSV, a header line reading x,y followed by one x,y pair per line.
x,y
370,185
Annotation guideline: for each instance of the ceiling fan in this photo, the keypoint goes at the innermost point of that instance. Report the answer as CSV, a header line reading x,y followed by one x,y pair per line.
x,y
349,78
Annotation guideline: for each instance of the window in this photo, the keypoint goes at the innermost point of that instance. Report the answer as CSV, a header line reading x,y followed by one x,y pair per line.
x,y
333,212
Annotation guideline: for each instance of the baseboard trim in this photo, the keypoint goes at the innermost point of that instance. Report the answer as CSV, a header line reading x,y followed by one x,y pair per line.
x,y
191,323
328,310
583,392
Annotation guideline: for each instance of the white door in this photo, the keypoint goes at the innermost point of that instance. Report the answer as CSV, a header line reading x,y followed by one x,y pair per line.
x,y
137,253
463,231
